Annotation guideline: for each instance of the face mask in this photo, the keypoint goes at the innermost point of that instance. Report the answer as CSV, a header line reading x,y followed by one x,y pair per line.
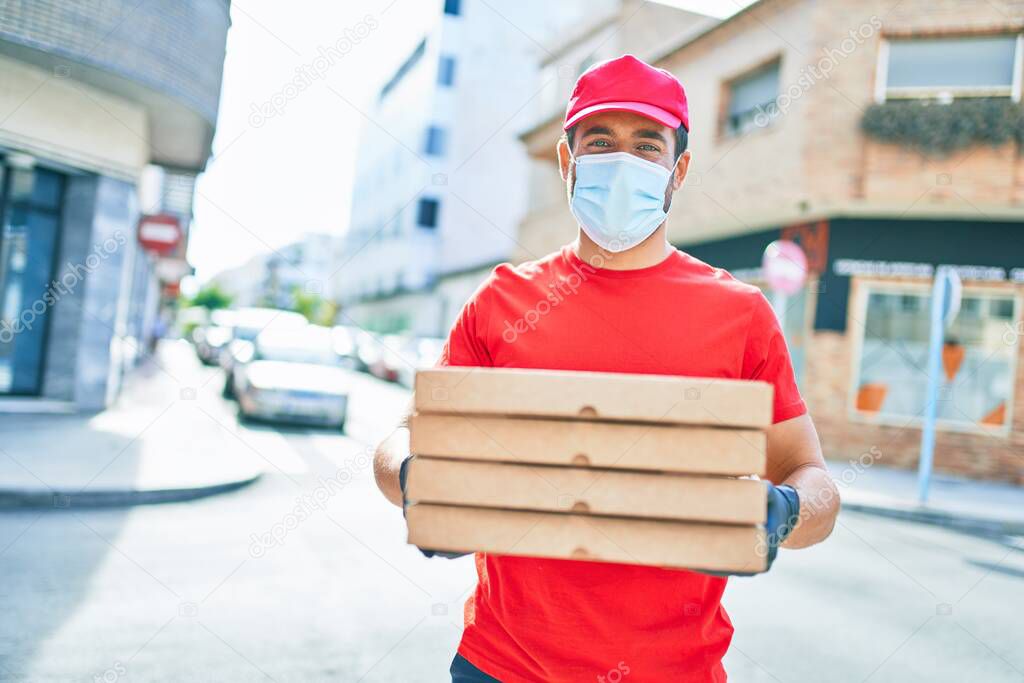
x,y
619,198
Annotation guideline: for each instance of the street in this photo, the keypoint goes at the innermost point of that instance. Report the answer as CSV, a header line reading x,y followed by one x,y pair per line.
x,y
305,575
695,241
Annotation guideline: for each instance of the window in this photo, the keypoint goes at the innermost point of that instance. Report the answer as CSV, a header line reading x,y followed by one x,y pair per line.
x,y
451,7
949,67
446,71
794,314
435,142
30,204
426,214
752,100
978,357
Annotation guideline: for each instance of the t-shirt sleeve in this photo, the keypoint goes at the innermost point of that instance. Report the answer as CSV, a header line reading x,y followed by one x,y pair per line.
x,y
466,344
766,358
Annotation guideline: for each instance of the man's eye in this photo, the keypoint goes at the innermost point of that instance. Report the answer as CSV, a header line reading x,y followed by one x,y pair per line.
x,y
648,148
600,143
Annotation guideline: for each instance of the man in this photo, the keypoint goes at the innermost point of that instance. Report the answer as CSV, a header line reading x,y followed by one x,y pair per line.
x,y
622,299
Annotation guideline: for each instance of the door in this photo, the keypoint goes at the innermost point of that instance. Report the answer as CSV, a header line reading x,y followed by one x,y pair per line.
x,y
30,202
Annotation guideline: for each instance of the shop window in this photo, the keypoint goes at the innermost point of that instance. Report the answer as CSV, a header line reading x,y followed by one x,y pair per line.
x,y
752,100
949,67
978,358
794,315
452,7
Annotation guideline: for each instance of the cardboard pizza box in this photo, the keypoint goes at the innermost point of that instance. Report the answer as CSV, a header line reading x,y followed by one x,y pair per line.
x,y
586,491
661,543
619,445
594,396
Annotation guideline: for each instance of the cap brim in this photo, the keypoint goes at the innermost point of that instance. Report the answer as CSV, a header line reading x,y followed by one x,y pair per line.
x,y
649,111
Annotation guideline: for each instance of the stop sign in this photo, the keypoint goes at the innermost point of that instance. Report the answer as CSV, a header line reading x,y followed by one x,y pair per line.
x,y
160,233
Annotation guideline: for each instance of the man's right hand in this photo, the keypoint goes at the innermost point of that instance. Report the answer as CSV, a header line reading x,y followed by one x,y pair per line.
x,y
403,478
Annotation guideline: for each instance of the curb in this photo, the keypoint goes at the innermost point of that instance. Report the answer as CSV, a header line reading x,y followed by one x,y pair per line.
x,y
15,499
986,526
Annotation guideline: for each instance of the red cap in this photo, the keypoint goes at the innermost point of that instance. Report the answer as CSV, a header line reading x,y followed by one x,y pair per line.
x,y
628,84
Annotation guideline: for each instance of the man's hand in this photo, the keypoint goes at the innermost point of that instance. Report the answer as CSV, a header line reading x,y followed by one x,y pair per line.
x,y
803,501
403,478
781,518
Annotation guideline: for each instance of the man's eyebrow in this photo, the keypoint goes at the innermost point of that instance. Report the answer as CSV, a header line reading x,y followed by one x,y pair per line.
x,y
650,134
597,130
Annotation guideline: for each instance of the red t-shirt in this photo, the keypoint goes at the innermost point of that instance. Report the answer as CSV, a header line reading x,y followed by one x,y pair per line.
x,y
534,619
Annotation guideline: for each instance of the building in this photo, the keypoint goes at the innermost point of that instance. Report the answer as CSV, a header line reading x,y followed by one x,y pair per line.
x,y
107,112
245,284
271,279
442,183
841,125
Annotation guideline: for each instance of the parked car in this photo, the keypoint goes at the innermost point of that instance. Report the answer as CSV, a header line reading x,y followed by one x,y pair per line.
x,y
368,350
345,339
419,354
210,339
394,352
188,320
294,375
247,324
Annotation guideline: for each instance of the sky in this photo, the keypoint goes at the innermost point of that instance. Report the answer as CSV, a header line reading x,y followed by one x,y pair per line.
x,y
279,173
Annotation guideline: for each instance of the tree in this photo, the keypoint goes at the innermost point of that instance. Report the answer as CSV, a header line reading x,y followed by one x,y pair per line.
x,y
317,310
211,297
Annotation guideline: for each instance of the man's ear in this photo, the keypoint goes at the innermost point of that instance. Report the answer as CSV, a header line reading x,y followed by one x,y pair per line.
x,y
564,158
680,169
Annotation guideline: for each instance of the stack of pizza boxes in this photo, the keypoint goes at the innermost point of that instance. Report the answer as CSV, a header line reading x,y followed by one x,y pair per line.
x,y
639,469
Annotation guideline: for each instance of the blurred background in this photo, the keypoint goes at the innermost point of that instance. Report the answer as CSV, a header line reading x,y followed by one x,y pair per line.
x,y
230,232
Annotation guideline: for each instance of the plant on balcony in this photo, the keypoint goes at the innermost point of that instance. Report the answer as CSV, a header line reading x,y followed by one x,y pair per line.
x,y
936,129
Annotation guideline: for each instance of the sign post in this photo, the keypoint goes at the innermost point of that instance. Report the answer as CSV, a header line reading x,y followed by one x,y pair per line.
x,y
946,293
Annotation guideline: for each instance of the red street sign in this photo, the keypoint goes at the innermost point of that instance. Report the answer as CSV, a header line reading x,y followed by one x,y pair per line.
x,y
160,233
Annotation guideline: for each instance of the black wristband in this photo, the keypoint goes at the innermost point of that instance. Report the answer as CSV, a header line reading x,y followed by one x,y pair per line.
x,y
792,499
403,473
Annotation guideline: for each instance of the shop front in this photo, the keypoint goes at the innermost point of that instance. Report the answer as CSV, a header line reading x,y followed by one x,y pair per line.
x,y
83,129
858,333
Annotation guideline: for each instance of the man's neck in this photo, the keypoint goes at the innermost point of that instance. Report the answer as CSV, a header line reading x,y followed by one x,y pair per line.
x,y
650,252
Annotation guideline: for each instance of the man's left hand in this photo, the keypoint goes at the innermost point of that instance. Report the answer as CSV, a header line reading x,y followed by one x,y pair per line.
x,y
781,518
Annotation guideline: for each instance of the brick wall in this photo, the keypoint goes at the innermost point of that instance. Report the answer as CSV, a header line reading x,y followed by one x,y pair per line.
x,y
813,160
845,168
739,183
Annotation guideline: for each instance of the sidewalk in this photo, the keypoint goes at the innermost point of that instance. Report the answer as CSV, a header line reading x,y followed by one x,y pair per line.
x,y
170,437
969,505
